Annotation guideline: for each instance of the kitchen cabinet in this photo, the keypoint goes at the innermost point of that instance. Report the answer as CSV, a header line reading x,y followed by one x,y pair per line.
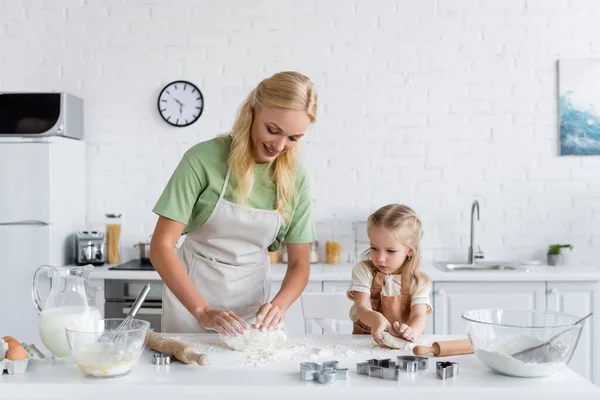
x,y
580,298
451,299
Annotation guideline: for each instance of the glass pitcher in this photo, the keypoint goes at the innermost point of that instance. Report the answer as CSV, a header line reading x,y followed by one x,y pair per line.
x,y
70,299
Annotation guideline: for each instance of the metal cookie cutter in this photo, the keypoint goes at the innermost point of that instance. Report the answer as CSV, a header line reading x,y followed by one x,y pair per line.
x,y
327,372
161,359
446,369
374,368
412,363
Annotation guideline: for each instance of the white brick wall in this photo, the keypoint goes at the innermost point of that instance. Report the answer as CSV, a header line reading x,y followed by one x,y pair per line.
x,y
429,103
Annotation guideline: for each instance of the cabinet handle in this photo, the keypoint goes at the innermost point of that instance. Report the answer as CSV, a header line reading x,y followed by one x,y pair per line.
x,y
554,291
143,311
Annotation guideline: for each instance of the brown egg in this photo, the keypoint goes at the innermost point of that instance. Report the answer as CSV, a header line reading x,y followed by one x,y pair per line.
x,y
12,343
16,353
7,338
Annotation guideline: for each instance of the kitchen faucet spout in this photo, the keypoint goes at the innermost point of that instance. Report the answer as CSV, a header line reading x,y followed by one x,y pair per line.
x,y
475,206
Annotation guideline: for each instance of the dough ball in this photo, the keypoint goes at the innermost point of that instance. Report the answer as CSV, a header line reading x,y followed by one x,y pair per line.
x,y
253,340
394,342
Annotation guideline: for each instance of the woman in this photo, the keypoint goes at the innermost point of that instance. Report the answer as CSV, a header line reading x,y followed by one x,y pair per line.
x,y
238,197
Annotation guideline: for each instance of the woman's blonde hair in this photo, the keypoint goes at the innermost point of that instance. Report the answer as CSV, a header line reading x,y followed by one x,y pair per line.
x,y
406,224
288,90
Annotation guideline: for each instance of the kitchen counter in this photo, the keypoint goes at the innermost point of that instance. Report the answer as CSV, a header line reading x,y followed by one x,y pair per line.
x,y
229,374
318,272
343,272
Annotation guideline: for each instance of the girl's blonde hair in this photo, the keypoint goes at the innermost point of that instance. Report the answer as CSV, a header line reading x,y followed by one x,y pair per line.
x,y
288,90
406,224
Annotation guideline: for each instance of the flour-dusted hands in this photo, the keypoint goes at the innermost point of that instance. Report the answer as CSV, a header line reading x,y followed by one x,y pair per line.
x,y
269,316
225,322
404,331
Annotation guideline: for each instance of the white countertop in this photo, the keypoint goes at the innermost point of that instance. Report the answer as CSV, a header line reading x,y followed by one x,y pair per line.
x,y
230,375
343,272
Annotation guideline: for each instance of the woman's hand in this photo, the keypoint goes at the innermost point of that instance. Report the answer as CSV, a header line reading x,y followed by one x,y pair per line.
x,y
223,321
269,316
404,331
380,325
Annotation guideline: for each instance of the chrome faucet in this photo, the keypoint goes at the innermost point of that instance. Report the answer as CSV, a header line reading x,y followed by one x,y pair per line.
x,y
473,255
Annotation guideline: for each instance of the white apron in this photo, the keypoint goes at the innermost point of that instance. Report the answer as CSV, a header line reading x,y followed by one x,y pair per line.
x,y
227,260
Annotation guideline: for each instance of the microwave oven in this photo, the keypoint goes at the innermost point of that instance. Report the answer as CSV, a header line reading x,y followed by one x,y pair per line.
x,y
41,114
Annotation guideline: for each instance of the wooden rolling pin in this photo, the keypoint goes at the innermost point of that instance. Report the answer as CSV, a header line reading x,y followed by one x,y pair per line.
x,y
184,352
445,348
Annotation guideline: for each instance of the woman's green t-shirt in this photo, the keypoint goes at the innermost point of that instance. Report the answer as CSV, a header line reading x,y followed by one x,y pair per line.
x,y
193,191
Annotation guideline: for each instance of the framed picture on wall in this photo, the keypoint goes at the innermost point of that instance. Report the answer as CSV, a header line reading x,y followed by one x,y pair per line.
x,y
579,107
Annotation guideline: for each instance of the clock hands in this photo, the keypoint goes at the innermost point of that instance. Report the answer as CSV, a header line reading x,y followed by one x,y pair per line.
x,y
180,105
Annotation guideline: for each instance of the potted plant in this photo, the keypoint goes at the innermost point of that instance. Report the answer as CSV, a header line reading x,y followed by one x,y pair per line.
x,y
555,254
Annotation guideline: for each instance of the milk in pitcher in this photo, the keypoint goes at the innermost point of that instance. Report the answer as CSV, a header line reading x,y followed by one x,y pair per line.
x,y
53,322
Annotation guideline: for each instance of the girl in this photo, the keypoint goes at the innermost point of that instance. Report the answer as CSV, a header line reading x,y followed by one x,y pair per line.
x,y
389,290
235,197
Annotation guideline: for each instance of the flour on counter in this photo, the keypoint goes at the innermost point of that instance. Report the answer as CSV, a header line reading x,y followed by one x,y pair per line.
x,y
497,355
293,350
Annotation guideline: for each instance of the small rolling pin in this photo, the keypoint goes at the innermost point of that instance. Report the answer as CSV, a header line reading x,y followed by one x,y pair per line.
x,y
445,348
184,352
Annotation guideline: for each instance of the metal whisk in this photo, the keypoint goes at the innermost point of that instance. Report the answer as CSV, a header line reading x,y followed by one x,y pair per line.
x,y
539,353
127,323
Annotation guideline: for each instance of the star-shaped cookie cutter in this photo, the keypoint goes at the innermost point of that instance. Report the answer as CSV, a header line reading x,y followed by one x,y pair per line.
x,y
327,372
446,369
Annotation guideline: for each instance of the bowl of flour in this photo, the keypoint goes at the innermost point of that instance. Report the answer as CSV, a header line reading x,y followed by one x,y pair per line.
x,y
496,335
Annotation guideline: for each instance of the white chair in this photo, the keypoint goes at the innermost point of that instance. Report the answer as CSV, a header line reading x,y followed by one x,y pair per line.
x,y
320,307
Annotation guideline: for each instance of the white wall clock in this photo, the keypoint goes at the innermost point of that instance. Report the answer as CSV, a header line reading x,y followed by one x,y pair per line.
x,y
180,103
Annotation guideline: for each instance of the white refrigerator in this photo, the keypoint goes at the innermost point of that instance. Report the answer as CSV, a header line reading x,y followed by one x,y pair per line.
x,y
42,203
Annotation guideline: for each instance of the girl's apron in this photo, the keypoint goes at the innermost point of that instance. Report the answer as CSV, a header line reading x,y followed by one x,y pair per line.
x,y
392,307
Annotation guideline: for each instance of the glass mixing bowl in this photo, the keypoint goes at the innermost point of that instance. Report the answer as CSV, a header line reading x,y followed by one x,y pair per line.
x,y
101,352
496,335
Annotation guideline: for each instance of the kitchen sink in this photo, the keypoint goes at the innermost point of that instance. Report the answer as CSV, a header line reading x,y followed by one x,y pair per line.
x,y
480,266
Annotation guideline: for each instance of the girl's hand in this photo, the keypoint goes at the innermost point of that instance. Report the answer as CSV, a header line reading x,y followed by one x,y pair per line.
x,y
269,316
404,331
225,322
381,325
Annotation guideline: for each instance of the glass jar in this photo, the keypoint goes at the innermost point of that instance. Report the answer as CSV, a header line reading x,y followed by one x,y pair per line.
x,y
274,257
283,257
332,252
113,235
314,252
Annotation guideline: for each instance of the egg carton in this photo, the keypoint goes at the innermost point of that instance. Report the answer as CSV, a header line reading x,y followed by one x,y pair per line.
x,y
14,367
